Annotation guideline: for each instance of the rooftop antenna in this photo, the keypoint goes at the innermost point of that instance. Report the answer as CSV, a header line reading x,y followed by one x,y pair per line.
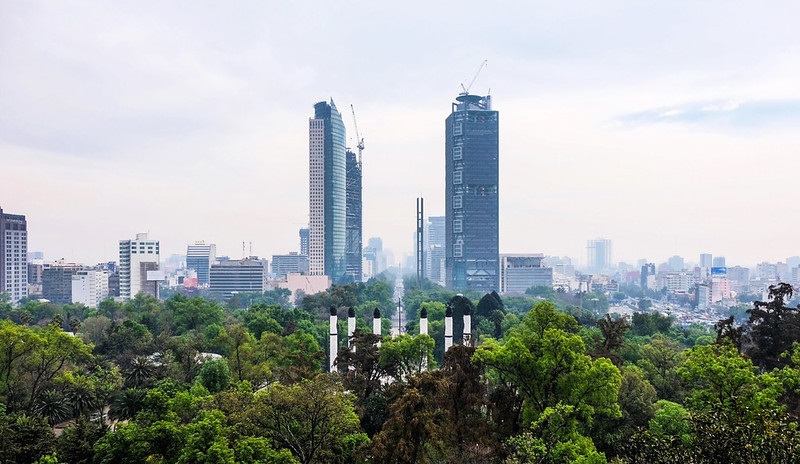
x,y
466,89
359,139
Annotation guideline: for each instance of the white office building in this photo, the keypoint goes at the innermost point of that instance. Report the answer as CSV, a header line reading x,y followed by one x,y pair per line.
x,y
13,256
89,287
138,265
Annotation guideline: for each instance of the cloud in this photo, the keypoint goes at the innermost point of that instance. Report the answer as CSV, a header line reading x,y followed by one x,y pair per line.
x,y
717,115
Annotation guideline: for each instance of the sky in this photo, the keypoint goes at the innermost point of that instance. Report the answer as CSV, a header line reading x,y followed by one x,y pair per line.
x,y
668,127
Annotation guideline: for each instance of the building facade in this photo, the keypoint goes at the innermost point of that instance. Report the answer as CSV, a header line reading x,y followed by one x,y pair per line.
x,y
13,255
200,257
282,265
353,221
519,272
435,270
471,195
598,255
238,276
139,262
90,287
57,281
304,241
327,193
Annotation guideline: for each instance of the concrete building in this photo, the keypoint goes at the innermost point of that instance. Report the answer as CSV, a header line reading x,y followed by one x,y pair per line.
x,y
13,255
373,253
139,262
598,254
90,287
304,241
200,257
519,272
293,263
435,251
472,194
327,193
57,281
677,282
238,276
676,263
718,261
706,263
307,284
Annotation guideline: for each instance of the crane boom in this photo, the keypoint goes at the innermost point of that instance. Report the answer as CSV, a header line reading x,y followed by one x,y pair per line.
x,y
466,89
359,139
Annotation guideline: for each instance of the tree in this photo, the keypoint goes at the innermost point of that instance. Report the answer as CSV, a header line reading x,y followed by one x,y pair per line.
x,y
415,429
772,328
215,375
24,439
405,355
545,292
127,403
722,380
659,361
554,438
76,443
314,419
613,337
548,365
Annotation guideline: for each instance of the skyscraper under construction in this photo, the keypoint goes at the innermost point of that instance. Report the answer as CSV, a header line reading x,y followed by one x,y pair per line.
x,y
471,194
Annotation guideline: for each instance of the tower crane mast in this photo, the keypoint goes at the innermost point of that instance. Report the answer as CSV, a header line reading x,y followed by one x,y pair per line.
x,y
466,89
359,139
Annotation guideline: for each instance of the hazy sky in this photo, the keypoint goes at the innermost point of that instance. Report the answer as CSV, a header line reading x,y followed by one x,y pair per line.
x,y
668,127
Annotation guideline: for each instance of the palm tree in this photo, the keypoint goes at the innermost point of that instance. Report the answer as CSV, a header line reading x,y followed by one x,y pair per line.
x,y
140,371
53,407
81,394
126,404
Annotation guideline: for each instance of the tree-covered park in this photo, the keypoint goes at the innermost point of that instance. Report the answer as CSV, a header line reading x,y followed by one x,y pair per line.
x,y
540,380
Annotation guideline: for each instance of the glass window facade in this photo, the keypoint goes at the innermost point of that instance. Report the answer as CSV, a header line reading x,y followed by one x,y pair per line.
x,y
471,195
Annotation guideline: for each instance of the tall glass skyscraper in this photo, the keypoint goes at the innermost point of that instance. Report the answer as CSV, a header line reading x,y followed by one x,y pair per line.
x,y
328,192
471,195
353,224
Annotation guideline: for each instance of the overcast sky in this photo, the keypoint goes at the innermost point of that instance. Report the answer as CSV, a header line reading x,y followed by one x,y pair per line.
x,y
668,127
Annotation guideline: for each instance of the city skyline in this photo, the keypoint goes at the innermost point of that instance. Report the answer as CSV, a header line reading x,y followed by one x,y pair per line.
x,y
630,122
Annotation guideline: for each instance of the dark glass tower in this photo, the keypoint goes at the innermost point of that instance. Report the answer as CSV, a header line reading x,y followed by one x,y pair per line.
x,y
471,195
353,222
327,196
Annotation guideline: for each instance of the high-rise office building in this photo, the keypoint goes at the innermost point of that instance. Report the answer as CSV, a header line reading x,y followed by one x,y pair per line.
x,y
327,193
90,287
13,255
138,265
435,249
57,281
304,241
293,263
238,276
471,194
599,255
200,257
520,272
353,222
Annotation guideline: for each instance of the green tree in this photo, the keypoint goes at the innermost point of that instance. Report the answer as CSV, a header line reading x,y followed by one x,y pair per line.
x,y
659,361
547,362
721,379
314,419
215,375
407,355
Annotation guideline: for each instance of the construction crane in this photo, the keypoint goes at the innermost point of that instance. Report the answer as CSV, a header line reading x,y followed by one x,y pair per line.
x,y
466,89
359,139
